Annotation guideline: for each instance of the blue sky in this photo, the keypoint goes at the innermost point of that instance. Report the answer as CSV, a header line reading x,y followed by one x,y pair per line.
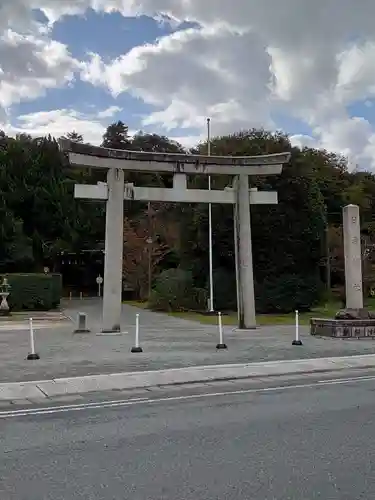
x,y
81,69
110,35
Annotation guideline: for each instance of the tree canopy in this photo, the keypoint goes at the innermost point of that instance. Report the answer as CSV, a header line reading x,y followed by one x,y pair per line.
x,y
39,217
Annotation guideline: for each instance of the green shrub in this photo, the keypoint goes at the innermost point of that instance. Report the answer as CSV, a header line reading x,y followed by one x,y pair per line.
x,y
38,292
287,293
174,291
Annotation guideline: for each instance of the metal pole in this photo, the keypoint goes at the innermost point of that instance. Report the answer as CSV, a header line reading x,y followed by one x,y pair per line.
x,y
210,222
328,260
150,239
149,271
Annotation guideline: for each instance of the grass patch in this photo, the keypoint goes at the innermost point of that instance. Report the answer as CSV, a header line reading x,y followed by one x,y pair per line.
x,y
136,303
230,318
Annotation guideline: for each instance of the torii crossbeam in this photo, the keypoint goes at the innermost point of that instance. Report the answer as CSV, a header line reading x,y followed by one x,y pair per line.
x,y
116,190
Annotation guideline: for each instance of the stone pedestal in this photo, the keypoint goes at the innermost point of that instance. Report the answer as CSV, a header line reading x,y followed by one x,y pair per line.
x,y
343,328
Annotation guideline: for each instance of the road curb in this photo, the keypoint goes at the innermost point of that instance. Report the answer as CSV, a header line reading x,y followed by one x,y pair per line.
x,y
45,389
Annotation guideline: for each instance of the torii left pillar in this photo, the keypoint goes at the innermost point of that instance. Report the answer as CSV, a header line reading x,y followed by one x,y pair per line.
x,y
114,234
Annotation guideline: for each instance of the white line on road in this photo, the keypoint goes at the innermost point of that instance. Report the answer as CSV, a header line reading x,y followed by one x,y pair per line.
x,y
137,401
37,325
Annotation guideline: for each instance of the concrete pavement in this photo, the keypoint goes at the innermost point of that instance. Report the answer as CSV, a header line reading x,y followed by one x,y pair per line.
x,y
42,389
296,444
168,343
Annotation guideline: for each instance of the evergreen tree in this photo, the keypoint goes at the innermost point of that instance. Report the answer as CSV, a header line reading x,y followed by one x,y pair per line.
x,y
116,136
75,136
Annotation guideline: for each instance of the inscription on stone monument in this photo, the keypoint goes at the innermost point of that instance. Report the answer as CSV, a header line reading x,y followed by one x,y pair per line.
x,y
353,259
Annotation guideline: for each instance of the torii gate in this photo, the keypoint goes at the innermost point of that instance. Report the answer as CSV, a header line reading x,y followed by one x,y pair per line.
x,y
116,190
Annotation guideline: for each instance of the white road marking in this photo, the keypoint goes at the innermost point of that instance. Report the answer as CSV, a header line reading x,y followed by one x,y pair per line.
x,y
37,325
137,401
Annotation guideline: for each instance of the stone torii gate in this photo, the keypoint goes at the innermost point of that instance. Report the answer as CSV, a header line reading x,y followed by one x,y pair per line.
x,y
180,165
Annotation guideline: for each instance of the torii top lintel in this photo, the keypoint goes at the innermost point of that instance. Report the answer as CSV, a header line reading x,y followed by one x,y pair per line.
x,y
98,157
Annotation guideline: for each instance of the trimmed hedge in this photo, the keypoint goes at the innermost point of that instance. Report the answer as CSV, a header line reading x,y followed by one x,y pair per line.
x,y
174,291
276,294
34,291
287,293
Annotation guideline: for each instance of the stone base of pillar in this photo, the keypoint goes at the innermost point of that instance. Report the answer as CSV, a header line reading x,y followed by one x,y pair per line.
x,y
243,327
115,329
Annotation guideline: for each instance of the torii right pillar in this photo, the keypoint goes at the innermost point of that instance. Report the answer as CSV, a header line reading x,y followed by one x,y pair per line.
x,y
246,299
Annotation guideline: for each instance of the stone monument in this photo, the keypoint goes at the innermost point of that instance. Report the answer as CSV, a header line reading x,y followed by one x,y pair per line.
x,y
353,258
354,321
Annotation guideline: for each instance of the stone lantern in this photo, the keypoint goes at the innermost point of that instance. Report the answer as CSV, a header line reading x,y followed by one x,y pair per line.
x,y
4,293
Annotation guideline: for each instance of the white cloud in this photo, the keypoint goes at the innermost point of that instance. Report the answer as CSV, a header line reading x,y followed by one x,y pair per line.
x,y
243,63
302,141
193,75
59,122
109,112
30,61
29,65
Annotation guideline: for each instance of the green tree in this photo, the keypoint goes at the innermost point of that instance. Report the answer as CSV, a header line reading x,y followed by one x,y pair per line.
x,y
37,195
75,136
116,136
155,143
286,237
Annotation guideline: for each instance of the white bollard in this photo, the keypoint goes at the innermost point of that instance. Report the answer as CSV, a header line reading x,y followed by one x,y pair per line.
x,y
297,340
221,344
32,355
137,347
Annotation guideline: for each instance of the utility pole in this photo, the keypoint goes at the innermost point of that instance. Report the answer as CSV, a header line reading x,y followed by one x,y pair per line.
x,y
328,259
210,221
149,242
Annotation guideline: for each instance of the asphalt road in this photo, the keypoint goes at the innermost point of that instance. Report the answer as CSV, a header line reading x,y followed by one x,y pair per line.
x,y
296,443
